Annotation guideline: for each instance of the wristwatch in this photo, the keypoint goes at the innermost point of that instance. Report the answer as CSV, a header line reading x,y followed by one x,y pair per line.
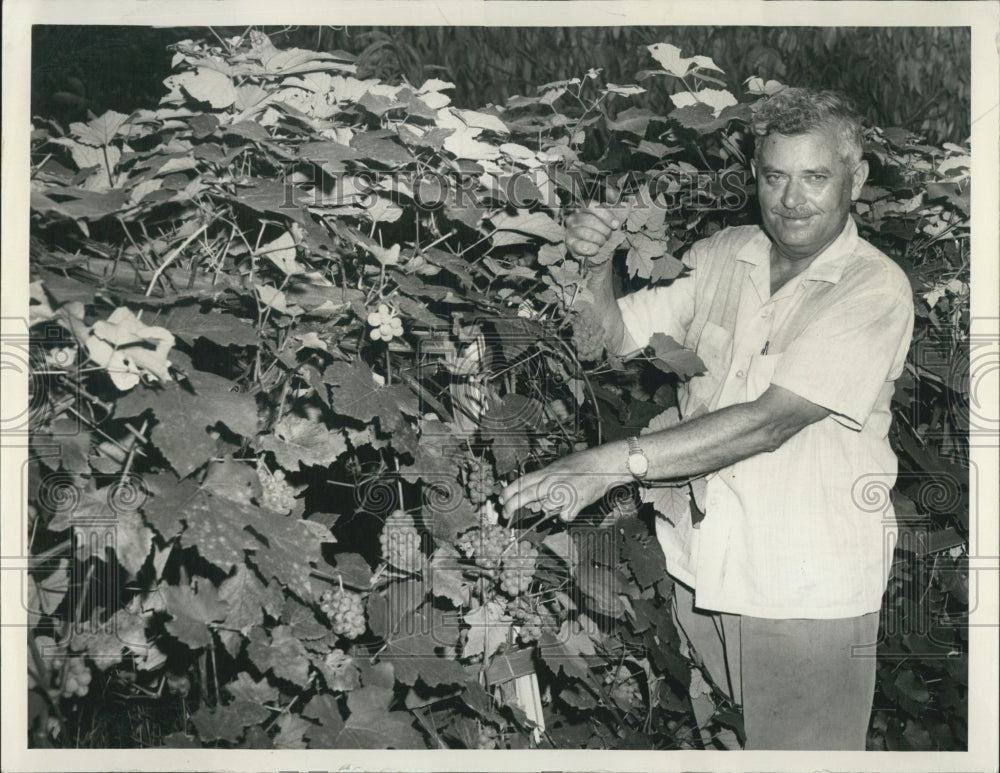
x,y
637,462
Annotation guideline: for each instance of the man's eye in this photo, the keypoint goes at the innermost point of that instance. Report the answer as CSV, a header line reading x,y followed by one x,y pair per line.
x,y
772,178
817,178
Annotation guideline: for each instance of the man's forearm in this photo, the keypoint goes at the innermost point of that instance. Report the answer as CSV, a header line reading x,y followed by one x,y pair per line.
x,y
601,284
723,437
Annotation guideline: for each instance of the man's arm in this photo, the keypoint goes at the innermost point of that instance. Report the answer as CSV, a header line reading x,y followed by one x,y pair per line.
x,y
692,448
586,233
726,436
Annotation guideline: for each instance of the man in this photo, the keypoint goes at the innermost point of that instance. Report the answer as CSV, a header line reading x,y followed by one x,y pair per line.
x,y
803,327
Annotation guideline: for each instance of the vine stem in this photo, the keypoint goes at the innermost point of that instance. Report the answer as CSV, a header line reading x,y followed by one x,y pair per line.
x,y
174,255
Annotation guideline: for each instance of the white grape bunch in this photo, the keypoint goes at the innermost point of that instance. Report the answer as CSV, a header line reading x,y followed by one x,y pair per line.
x,y
588,334
385,324
528,619
345,611
486,545
479,481
76,680
276,493
518,570
400,542
624,688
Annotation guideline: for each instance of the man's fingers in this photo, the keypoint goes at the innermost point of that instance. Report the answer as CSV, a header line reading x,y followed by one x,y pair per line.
x,y
604,214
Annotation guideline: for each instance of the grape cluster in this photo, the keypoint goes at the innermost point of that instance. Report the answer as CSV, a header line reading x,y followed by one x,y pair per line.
x,y
178,684
486,544
588,335
400,542
529,619
624,688
344,610
519,570
487,737
276,493
76,680
385,324
479,480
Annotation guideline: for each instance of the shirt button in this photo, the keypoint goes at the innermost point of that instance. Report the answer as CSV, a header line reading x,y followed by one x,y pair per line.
x,y
765,314
740,374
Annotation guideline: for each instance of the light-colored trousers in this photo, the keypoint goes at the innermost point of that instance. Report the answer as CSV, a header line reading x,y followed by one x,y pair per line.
x,y
803,684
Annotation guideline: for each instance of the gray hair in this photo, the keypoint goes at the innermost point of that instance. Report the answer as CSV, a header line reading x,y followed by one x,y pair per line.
x,y
799,110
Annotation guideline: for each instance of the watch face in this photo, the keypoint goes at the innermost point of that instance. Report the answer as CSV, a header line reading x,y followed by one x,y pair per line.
x,y
638,464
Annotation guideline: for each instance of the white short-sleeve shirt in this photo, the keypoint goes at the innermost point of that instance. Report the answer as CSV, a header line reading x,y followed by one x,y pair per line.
x,y
797,532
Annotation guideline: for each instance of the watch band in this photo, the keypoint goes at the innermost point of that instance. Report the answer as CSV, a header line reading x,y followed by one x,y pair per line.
x,y
637,463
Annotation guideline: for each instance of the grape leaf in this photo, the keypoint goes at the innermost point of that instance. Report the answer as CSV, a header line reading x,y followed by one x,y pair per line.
x,y
192,611
413,652
281,653
242,593
489,631
645,559
670,357
246,688
301,441
353,569
323,709
188,323
291,546
666,267
291,732
566,650
227,723
354,393
371,725
232,480
446,576
302,621
101,130
207,85
447,516
133,540
184,417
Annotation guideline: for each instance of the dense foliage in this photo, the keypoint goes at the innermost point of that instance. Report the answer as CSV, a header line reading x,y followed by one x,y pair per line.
x,y
292,329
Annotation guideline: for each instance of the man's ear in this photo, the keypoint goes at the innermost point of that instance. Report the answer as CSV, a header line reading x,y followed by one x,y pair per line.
x,y
858,178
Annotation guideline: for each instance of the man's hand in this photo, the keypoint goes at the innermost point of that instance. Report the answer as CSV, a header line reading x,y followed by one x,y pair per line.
x,y
588,230
569,484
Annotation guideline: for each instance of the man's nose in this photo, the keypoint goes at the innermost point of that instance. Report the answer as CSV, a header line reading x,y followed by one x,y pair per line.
x,y
792,197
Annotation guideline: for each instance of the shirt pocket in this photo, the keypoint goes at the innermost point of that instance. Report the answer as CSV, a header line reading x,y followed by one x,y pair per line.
x,y
760,373
714,347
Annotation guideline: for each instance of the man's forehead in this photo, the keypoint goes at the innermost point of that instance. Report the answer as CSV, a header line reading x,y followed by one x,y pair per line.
x,y
822,144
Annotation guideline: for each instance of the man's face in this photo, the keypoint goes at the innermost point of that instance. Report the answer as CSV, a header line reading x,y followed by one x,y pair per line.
x,y
805,190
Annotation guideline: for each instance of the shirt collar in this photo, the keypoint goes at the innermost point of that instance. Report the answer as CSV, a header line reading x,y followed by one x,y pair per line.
x,y
828,266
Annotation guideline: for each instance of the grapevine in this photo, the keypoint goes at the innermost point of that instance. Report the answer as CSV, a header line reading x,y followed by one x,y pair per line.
x,y
344,610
